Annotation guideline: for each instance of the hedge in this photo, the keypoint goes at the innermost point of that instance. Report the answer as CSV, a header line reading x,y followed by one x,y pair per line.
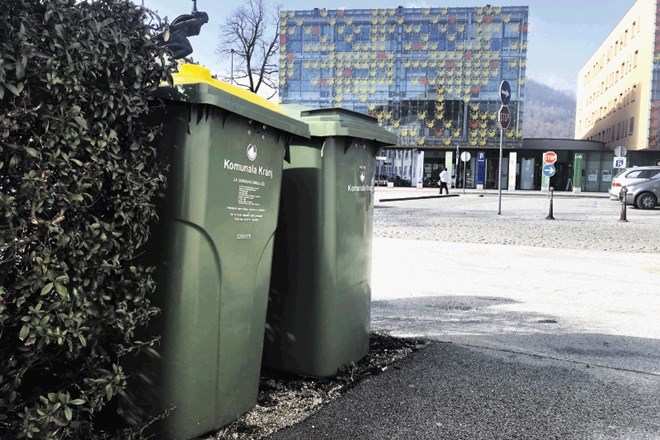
x,y
78,180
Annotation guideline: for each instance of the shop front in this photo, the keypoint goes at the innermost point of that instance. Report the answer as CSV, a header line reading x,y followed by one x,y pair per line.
x,y
579,166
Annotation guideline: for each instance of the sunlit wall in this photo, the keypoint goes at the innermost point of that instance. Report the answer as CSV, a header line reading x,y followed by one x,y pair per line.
x,y
618,100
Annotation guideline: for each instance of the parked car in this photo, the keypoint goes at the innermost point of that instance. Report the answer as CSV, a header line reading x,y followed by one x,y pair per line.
x,y
644,194
431,182
631,175
381,180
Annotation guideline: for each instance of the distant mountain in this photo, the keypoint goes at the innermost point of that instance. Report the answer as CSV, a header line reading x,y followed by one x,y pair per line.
x,y
549,113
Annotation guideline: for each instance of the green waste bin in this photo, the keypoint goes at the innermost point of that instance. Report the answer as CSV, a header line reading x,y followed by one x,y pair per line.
x,y
213,252
320,298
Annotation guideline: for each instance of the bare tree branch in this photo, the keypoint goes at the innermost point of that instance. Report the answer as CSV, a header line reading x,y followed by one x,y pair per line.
x,y
250,36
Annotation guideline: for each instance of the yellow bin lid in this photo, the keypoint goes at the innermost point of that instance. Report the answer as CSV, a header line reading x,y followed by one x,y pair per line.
x,y
194,84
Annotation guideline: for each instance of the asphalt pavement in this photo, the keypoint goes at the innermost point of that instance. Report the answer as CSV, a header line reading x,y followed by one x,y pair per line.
x,y
537,328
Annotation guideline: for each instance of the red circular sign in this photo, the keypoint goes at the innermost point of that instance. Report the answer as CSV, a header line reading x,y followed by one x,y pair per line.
x,y
504,116
549,157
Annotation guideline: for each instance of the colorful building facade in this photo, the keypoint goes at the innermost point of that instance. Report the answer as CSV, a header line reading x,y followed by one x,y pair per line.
x,y
430,75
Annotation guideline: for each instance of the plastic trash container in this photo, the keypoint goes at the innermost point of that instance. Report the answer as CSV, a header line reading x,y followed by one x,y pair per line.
x,y
320,299
213,251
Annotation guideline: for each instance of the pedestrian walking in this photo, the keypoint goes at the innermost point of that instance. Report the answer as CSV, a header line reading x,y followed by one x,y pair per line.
x,y
444,180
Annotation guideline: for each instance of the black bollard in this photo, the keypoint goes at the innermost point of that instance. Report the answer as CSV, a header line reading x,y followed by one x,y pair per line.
x,y
622,196
550,196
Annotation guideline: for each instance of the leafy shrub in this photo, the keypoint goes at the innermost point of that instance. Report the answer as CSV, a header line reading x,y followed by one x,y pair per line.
x,y
77,180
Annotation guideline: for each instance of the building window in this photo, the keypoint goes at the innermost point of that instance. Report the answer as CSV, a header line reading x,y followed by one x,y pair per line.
x,y
631,126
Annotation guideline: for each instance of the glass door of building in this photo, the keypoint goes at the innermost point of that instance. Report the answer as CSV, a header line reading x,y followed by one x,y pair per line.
x,y
432,172
492,169
467,171
527,173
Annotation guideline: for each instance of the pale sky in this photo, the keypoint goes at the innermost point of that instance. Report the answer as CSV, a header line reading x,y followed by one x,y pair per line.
x,y
563,34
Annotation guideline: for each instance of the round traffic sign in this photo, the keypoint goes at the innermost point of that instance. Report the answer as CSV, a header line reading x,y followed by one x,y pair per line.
x,y
504,116
549,157
549,170
620,151
505,92
465,156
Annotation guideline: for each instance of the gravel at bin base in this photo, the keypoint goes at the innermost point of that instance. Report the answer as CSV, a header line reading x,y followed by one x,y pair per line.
x,y
286,400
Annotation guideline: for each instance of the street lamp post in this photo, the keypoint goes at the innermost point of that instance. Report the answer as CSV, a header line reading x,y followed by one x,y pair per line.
x,y
232,67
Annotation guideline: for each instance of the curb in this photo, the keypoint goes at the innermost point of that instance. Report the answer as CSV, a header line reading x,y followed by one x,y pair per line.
x,y
417,198
538,194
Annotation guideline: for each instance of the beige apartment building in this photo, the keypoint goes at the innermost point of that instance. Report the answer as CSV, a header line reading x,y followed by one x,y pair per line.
x,y
618,94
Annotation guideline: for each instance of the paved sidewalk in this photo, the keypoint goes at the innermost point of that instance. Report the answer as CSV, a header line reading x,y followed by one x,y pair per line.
x,y
408,193
538,329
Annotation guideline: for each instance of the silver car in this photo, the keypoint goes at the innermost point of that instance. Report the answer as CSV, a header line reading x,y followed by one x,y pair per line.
x,y
631,175
644,194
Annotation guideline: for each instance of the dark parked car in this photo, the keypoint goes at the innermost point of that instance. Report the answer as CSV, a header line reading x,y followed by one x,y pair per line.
x,y
431,182
381,180
644,194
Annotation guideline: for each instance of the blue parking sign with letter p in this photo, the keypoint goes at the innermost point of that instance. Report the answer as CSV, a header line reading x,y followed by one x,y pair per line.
x,y
619,162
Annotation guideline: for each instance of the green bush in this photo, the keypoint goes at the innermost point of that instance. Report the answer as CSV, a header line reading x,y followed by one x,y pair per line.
x,y
78,176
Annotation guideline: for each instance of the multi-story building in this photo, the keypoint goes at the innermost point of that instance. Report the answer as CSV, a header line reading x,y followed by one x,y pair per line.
x,y
618,96
431,75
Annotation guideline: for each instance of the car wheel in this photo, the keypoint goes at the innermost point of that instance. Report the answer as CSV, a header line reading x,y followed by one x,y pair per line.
x,y
646,201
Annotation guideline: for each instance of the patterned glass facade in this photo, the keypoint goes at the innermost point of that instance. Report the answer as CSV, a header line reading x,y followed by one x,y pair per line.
x,y
431,75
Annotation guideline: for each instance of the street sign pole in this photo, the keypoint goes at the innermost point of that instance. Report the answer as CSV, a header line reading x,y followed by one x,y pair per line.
x,y
503,117
465,157
456,170
499,177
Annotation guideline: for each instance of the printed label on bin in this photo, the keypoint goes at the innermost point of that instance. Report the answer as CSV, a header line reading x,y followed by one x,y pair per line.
x,y
250,182
362,179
